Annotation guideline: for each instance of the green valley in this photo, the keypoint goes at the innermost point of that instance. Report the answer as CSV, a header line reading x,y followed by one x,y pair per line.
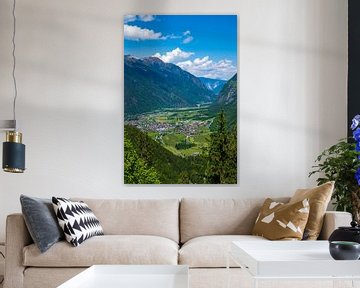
x,y
183,131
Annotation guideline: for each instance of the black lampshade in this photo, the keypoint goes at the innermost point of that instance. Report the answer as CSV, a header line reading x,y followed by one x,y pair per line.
x,y
13,153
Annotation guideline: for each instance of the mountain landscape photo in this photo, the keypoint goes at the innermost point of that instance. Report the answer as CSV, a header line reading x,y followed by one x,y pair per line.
x,y
180,99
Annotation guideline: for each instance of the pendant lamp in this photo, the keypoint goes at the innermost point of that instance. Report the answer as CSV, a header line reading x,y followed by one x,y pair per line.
x,y
13,160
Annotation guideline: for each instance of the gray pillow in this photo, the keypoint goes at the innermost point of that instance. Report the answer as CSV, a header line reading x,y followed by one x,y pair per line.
x,y
41,221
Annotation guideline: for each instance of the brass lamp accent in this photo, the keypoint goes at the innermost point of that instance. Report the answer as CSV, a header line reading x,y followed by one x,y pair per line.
x,y
14,136
13,153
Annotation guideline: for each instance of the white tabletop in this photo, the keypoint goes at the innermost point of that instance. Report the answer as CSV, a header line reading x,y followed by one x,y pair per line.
x,y
291,259
131,276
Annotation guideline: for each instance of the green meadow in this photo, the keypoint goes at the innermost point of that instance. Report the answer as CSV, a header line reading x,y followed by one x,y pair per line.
x,y
183,131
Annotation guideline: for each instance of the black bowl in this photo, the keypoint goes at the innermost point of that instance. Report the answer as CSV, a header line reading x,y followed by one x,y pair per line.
x,y
344,250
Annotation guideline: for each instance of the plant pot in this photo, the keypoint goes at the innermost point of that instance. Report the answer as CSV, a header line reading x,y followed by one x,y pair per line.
x,y
343,250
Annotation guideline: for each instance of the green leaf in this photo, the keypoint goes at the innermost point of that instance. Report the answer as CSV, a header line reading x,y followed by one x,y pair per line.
x,y
339,163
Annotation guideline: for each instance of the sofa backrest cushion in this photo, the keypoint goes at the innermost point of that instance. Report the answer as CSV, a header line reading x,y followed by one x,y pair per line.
x,y
200,217
159,217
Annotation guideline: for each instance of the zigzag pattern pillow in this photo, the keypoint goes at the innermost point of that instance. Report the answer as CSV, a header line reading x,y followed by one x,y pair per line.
x,y
77,220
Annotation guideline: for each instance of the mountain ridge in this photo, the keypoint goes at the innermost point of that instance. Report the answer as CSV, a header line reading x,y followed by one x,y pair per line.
x,y
227,101
228,93
150,84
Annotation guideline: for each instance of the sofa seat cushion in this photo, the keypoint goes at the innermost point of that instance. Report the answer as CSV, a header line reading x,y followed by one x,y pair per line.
x,y
211,251
107,249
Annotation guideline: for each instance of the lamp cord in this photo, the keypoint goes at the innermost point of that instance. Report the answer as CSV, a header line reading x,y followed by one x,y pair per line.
x,y
14,61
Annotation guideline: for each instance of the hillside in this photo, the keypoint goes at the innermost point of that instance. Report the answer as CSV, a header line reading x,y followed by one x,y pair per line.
x,y
228,93
171,169
214,85
227,100
151,84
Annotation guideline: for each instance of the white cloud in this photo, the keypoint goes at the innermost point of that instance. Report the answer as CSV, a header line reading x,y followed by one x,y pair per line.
x,y
136,33
143,18
172,36
202,61
129,18
146,18
188,39
200,67
205,67
173,56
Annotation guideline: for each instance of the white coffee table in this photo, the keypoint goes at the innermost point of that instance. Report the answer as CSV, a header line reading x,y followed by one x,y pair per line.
x,y
285,260
131,276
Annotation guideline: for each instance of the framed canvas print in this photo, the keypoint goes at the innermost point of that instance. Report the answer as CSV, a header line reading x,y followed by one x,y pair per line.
x,y
180,99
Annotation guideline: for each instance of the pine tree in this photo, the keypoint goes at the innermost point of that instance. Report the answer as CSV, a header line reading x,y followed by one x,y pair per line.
x,y
135,169
222,153
184,178
231,162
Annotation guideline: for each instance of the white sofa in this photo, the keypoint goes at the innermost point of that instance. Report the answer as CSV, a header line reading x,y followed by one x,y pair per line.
x,y
194,232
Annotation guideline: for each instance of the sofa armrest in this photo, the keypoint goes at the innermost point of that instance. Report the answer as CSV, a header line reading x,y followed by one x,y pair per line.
x,y
17,237
333,220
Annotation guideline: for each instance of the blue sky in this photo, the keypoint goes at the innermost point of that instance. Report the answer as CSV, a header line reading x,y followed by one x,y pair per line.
x,y
204,45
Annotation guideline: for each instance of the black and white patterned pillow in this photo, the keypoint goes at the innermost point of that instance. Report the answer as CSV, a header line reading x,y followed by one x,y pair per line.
x,y
77,220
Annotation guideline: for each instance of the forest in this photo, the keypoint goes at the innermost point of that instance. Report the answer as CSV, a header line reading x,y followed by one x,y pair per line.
x,y
147,162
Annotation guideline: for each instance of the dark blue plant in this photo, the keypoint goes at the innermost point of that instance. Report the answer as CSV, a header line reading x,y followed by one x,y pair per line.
x,y
356,134
357,176
355,122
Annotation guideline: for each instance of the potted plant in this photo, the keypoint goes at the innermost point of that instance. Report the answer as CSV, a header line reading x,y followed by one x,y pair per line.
x,y
341,163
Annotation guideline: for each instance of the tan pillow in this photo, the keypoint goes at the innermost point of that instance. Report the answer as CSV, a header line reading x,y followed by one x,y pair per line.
x,y
279,221
319,198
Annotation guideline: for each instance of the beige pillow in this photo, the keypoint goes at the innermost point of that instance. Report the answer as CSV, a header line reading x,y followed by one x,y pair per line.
x,y
319,198
279,221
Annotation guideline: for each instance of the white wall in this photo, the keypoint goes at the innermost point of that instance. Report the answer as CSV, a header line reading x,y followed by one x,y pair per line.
x,y
292,59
